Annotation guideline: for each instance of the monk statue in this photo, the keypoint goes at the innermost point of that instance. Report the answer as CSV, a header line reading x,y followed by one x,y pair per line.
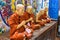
x,y
42,17
16,22
39,17
30,21
45,16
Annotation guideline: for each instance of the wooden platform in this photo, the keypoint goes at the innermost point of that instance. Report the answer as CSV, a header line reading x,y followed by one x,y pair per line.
x,y
57,38
45,33
48,32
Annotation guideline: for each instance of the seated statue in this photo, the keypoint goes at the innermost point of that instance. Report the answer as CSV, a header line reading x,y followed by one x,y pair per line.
x,y
39,18
45,16
31,18
15,21
42,17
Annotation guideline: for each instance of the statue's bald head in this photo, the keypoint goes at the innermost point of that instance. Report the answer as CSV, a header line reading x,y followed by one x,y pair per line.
x,y
29,7
19,6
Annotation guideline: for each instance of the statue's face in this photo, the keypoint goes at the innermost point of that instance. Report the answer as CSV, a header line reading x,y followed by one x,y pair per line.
x,y
46,9
21,10
41,12
29,10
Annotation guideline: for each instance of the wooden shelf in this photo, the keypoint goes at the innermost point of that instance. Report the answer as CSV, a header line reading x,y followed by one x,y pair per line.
x,y
45,32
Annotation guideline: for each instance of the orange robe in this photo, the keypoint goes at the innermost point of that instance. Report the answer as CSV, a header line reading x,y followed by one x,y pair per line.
x,y
41,23
33,23
17,36
14,21
27,16
28,35
45,17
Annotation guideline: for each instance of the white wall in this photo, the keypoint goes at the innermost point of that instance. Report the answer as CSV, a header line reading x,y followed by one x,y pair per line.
x,y
59,7
59,12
